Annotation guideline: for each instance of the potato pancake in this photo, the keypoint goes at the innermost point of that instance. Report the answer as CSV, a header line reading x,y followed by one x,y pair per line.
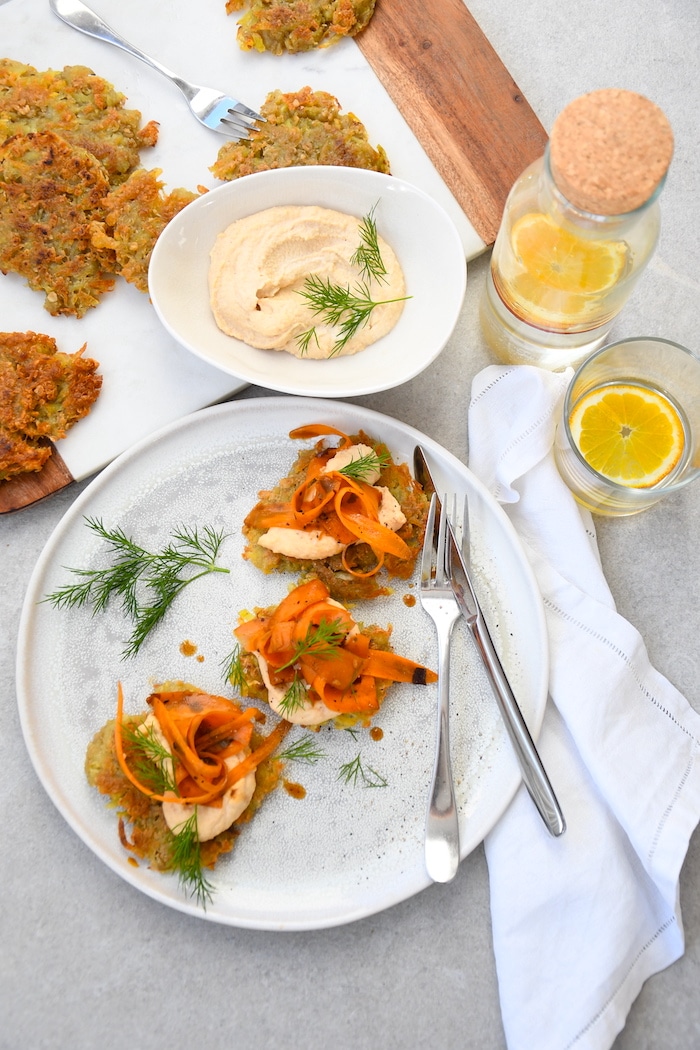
x,y
79,106
302,127
50,191
43,392
136,213
298,25
19,455
344,586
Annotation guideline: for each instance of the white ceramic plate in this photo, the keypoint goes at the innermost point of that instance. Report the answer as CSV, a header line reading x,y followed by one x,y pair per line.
x,y
342,852
421,233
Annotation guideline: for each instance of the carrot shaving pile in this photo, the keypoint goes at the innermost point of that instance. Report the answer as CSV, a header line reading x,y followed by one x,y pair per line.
x,y
337,664
202,731
339,506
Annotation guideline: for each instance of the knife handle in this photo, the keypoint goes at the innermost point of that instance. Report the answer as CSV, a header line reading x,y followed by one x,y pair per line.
x,y
534,774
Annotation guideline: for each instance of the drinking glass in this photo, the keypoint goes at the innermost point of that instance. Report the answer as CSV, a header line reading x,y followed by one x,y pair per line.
x,y
659,365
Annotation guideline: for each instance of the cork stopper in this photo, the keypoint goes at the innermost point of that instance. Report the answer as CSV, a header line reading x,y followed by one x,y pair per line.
x,y
609,150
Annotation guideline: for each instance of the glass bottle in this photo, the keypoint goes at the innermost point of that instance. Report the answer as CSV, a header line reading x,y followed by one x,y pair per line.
x,y
579,226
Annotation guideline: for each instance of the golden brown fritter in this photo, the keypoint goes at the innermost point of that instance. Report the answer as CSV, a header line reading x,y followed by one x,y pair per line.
x,y
135,215
298,25
43,392
19,455
75,103
147,835
302,127
331,571
50,191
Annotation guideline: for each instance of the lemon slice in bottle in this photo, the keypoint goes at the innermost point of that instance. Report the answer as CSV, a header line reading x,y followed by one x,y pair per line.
x,y
630,434
562,273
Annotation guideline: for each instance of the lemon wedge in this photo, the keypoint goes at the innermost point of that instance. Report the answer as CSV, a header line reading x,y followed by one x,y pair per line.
x,y
630,434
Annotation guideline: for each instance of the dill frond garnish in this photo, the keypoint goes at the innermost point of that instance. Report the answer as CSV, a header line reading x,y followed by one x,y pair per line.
x,y
323,639
294,697
304,750
187,862
341,307
152,763
162,575
368,257
363,466
232,666
353,772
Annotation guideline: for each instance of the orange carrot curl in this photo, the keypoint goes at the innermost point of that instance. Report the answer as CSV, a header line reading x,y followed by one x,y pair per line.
x,y
201,731
339,666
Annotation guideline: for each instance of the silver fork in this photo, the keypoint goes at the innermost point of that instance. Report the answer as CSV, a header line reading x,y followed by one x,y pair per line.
x,y
438,600
216,111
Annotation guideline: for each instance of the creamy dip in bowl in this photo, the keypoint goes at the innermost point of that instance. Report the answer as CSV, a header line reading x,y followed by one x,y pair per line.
x,y
260,266
419,232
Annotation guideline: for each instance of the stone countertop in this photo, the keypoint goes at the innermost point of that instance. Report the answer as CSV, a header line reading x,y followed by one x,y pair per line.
x,y
88,962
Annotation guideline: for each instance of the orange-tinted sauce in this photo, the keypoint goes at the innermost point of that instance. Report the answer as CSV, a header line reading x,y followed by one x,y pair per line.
x,y
376,733
295,790
409,600
188,648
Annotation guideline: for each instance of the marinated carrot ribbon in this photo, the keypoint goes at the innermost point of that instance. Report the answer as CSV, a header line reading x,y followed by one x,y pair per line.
x,y
201,731
338,664
343,507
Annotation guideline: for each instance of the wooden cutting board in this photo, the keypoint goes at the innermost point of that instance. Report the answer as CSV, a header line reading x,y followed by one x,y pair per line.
x,y
458,98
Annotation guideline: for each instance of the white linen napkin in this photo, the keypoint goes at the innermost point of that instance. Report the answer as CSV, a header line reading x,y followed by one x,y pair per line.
x,y
581,921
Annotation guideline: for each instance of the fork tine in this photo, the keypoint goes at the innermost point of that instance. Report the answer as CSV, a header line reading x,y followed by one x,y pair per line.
x,y
236,123
246,111
443,551
426,565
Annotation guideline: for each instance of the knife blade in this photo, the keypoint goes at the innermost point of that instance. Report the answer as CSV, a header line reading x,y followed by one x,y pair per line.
x,y
533,772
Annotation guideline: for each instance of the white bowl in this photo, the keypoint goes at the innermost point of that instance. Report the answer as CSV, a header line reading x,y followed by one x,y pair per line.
x,y
421,233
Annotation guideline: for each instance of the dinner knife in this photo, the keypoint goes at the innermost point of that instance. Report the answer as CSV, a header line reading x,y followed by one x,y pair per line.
x,y
533,772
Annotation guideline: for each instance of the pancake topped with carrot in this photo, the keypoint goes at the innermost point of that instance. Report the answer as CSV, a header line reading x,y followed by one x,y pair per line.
x,y
313,663
345,514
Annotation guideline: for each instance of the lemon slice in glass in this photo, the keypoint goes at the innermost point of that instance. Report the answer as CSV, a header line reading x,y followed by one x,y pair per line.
x,y
562,273
630,434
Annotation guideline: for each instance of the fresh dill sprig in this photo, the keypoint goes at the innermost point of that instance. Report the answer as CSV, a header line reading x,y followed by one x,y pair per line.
x,y
304,750
341,307
232,666
149,759
162,574
359,469
353,771
304,340
322,639
368,257
187,861
294,697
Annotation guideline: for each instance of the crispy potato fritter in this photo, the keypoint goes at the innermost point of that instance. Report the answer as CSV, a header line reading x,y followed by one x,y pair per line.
x,y
68,146
79,106
49,193
136,213
298,25
302,127
43,392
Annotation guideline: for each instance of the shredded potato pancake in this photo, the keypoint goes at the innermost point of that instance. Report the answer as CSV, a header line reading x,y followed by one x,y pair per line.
x,y
353,574
135,214
81,107
298,25
301,128
43,392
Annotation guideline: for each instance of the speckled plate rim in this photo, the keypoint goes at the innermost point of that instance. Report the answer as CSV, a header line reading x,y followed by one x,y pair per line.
x,y
398,879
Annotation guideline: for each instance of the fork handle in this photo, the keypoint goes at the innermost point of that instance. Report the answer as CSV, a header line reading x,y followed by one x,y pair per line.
x,y
534,774
78,16
442,821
